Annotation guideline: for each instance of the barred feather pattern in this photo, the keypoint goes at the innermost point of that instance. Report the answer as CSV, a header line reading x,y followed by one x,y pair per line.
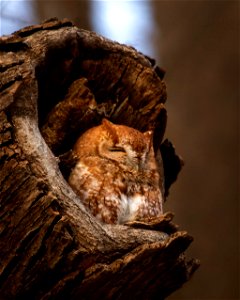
x,y
116,175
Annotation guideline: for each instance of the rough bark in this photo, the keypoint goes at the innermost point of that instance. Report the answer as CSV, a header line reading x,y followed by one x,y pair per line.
x,y
51,247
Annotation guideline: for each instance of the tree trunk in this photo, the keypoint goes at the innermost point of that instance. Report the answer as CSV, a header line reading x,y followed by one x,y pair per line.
x,y
56,81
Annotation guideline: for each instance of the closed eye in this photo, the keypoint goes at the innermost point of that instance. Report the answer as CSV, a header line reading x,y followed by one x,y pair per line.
x,y
117,149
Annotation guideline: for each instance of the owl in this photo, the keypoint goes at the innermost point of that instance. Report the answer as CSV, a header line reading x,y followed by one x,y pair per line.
x,y
116,175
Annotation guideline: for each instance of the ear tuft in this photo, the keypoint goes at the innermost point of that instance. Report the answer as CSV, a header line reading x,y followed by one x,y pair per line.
x,y
149,136
110,128
106,122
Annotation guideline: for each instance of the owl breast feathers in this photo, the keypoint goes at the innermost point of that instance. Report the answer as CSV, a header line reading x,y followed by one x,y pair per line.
x,y
116,174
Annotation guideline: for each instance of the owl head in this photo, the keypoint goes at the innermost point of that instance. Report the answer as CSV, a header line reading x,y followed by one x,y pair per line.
x,y
118,143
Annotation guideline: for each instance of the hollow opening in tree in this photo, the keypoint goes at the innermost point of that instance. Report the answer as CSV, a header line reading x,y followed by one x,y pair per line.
x,y
78,86
51,247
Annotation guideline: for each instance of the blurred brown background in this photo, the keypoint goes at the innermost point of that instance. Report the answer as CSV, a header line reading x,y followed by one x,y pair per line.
x,y
197,42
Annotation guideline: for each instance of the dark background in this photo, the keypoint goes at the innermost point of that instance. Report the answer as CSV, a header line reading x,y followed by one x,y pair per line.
x,y
197,43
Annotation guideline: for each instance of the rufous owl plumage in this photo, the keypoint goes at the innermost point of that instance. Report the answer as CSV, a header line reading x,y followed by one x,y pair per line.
x,y
116,174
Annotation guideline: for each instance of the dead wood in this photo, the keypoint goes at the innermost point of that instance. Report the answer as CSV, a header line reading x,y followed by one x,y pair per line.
x,y
50,245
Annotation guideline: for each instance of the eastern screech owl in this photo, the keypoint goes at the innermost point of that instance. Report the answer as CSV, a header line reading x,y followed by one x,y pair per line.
x,y
116,174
